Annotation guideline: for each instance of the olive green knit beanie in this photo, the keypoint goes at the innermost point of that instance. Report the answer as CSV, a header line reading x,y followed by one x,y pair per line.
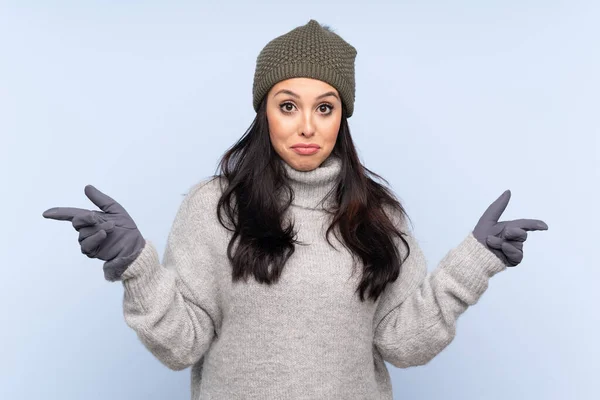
x,y
309,51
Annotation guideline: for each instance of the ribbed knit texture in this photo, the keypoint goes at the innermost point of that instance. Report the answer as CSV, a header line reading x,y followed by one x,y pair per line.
x,y
307,51
307,336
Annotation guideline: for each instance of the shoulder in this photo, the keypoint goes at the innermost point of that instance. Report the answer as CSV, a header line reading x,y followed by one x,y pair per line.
x,y
398,217
204,195
211,186
407,245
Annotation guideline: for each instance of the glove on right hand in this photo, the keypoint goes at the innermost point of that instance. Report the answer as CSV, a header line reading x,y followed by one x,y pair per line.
x,y
111,235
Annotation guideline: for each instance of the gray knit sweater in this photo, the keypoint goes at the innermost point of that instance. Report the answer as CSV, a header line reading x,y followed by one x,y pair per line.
x,y
307,336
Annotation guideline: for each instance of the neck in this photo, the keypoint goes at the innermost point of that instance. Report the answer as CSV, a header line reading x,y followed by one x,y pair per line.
x,y
311,187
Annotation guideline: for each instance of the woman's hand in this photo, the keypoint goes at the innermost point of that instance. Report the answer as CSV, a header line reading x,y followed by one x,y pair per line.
x,y
111,235
505,239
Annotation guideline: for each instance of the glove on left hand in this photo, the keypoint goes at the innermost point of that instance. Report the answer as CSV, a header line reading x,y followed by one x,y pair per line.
x,y
110,235
505,239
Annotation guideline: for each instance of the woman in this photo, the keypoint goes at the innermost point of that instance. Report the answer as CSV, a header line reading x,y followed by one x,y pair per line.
x,y
320,313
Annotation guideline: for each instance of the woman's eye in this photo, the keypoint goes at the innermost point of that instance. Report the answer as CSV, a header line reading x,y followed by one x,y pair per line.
x,y
327,107
288,107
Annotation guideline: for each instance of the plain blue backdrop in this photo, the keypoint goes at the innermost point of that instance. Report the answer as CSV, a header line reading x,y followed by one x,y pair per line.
x,y
455,103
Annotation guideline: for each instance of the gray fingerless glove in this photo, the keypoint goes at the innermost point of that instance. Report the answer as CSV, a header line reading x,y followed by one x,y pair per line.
x,y
110,235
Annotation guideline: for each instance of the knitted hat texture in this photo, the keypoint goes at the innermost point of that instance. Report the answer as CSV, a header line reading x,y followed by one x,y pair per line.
x,y
308,51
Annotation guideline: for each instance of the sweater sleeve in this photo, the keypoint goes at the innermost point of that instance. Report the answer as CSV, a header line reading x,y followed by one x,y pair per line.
x,y
172,307
416,316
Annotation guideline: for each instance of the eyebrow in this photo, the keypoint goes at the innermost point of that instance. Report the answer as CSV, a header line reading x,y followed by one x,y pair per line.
x,y
286,91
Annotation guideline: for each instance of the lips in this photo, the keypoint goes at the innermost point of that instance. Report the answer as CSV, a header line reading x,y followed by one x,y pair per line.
x,y
306,149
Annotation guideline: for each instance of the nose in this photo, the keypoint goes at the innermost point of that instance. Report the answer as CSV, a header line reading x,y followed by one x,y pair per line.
x,y
308,125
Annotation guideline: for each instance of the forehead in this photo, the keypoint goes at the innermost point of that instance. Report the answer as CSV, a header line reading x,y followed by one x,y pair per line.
x,y
306,86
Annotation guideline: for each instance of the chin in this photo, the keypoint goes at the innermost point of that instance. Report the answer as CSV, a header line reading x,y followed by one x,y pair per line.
x,y
301,163
305,168
305,163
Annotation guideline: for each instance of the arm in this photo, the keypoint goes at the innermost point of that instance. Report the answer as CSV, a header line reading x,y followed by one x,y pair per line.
x,y
417,314
172,307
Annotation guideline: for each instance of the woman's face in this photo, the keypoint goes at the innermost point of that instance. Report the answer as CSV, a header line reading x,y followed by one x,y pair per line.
x,y
303,111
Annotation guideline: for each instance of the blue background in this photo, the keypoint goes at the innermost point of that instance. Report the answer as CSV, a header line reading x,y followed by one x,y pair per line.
x,y
455,103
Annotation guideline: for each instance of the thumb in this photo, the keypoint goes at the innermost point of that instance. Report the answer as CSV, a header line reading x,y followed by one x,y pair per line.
x,y
103,201
495,210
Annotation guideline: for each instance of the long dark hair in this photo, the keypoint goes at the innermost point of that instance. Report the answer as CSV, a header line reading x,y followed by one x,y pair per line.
x,y
254,208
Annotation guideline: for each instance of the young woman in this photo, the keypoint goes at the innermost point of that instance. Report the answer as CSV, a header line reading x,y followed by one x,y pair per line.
x,y
292,274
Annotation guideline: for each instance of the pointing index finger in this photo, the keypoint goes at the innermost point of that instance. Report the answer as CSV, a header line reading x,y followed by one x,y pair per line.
x,y
529,224
63,213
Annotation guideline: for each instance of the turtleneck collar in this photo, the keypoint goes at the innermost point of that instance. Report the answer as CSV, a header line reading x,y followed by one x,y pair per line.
x,y
310,187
